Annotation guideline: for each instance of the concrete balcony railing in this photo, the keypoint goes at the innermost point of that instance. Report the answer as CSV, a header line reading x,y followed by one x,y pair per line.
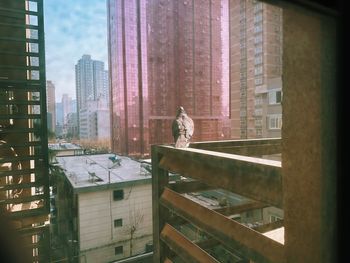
x,y
215,165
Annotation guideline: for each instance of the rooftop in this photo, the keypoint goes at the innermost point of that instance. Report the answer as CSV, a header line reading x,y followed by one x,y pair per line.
x,y
64,146
100,171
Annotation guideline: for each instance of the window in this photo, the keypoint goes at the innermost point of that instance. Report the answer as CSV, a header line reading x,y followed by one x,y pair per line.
x,y
258,49
243,34
275,121
276,17
258,100
118,195
34,61
277,29
32,47
259,81
243,74
32,33
258,112
118,250
32,20
258,39
258,132
242,44
32,6
258,18
258,7
33,75
34,96
258,70
257,28
258,60
275,97
118,222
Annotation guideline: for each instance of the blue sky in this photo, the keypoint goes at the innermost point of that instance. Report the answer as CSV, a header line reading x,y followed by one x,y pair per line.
x,y
73,28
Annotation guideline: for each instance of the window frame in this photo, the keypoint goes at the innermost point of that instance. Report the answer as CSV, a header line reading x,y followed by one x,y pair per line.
x,y
117,196
276,119
118,222
272,97
119,250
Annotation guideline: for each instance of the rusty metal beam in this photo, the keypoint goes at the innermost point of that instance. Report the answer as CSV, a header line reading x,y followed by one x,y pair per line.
x,y
237,209
187,187
250,243
255,178
183,247
269,226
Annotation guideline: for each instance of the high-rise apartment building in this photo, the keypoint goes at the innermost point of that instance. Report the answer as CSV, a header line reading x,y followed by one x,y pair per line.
x,y
66,107
95,121
100,80
255,69
24,180
91,82
84,81
166,54
51,105
72,125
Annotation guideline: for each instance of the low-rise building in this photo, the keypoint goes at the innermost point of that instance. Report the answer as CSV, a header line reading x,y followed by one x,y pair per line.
x,y
65,149
103,209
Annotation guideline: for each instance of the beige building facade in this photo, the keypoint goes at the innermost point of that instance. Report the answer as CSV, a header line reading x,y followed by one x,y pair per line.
x,y
105,224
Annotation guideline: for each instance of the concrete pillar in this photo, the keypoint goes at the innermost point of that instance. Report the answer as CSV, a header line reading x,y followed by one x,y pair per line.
x,y
308,133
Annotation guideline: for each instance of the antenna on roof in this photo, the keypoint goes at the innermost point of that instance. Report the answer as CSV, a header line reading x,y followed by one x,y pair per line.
x,y
115,160
93,177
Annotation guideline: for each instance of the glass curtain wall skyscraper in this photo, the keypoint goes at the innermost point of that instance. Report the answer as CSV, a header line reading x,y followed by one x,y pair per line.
x,y
166,54
127,36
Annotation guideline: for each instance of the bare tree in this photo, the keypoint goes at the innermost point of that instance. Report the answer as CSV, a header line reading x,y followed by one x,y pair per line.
x,y
135,219
101,145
